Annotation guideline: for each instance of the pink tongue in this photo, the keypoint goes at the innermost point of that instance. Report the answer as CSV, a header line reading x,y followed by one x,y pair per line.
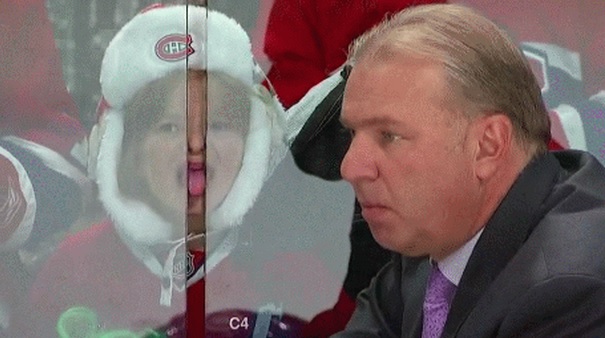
x,y
197,182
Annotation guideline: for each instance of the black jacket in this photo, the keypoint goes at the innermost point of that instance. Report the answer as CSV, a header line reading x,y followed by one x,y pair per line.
x,y
538,269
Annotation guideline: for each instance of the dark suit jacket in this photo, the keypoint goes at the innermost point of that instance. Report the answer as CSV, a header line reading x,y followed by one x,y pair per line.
x,y
538,269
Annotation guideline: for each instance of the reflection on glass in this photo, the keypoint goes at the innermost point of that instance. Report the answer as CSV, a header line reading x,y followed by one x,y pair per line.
x,y
113,254
43,185
128,272
228,125
265,274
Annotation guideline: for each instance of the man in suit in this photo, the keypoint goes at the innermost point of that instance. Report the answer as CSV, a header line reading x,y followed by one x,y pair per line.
x,y
497,236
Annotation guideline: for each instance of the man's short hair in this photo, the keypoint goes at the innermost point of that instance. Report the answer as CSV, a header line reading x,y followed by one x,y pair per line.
x,y
485,70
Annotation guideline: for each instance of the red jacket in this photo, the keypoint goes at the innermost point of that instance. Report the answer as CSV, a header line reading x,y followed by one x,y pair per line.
x,y
306,40
95,269
34,102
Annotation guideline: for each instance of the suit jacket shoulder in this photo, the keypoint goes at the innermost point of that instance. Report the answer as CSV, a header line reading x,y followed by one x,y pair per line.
x,y
538,268
554,284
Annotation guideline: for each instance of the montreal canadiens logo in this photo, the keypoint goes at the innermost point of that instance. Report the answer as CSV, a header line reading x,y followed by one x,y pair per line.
x,y
174,47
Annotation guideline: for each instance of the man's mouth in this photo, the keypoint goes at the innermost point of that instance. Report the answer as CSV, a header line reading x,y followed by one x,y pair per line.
x,y
196,178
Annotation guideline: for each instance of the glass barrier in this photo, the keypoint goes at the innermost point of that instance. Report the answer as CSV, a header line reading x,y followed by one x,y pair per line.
x,y
564,46
94,171
278,240
147,188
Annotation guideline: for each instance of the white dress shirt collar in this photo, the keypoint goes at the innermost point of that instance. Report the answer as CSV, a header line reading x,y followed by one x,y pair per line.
x,y
453,265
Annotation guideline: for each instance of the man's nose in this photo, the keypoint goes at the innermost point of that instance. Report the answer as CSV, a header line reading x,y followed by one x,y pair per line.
x,y
358,162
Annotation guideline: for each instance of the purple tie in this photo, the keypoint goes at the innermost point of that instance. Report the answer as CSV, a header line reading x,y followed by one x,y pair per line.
x,y
439,294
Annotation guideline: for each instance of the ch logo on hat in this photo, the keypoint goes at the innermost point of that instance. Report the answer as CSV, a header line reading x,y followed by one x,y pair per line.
x,y
174,47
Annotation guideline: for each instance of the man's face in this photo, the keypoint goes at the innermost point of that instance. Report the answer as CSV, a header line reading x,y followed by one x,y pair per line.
x,y
410,160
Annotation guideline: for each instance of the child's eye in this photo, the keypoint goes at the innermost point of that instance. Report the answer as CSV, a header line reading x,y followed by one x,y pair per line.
x,y
220,126
168,127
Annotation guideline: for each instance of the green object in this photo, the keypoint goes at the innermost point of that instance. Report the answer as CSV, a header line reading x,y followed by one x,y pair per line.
x,y
77,322
82,322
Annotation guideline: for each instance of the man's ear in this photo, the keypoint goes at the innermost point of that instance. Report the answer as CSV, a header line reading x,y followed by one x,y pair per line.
x,y
494,138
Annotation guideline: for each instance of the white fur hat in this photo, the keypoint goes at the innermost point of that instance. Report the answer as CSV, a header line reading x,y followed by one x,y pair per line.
x,y
154,43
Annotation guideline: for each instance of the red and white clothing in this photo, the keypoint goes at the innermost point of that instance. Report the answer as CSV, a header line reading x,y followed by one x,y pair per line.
x,y
96,270
40,181
38,118
129,274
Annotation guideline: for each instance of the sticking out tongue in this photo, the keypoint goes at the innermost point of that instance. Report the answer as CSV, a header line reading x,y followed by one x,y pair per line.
x,y
196,182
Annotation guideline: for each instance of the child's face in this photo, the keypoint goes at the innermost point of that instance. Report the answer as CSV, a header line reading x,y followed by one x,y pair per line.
x,y
228,107
212,135
196,152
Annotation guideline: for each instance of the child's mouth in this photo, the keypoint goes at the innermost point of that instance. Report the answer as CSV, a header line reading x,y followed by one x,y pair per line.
x,y
196,179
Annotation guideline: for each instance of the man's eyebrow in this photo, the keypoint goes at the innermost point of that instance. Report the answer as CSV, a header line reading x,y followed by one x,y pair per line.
x,y
371,121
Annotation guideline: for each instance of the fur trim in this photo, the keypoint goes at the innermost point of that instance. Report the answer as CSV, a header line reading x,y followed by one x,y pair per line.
x,y
133,219
265,148
133,58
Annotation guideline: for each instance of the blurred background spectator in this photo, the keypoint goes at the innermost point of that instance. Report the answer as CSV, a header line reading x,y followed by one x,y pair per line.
x,y
564,43
307,40
43,185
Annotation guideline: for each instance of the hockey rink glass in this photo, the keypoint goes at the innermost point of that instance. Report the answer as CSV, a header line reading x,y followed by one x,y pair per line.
x,y
100,193
270,272
110,213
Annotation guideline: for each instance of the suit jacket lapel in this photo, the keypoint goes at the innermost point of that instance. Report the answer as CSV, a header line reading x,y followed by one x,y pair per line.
x,y
415,274
504,234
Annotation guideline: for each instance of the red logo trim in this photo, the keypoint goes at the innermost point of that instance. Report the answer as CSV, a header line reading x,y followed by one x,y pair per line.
x,y
174,47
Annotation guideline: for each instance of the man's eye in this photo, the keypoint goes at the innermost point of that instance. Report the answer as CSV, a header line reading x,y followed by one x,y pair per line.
x,y
389,137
